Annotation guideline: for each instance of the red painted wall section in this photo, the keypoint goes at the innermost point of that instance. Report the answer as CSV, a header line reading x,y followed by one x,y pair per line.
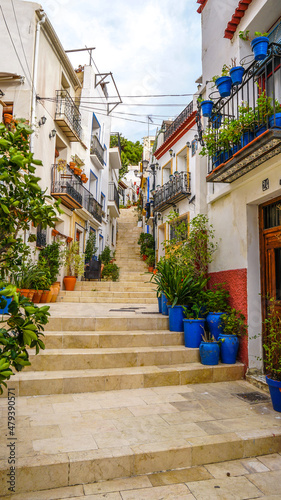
x,y
236,283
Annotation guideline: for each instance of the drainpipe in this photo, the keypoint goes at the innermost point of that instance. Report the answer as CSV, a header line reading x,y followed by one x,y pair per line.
x,y
34,79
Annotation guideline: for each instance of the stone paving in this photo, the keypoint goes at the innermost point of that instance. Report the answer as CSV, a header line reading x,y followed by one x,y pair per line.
x,y
197,426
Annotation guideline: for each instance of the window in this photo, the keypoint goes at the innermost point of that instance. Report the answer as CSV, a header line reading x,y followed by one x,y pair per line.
x,y
179,229
41,237
272,215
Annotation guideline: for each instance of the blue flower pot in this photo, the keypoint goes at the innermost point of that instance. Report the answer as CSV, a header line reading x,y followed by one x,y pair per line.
x,y
275,120
260,130
224,85
164,305
206,108
236,74
8,300
229,348
193,331
209,353
160,304
216,120
214,323
275,393
176,319
246,138
259,47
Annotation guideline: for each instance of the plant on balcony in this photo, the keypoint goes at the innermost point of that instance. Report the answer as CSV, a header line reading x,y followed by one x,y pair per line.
x,y
223,82
236,72
61,165
80,163
260,45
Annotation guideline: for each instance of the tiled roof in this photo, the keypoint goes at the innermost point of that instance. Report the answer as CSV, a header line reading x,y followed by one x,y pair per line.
x,y
236,18
202,5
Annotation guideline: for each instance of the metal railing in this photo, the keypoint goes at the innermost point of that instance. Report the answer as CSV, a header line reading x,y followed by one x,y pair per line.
x,y
97,149
177,186
249,111
179,120
66,107
113,193
65,181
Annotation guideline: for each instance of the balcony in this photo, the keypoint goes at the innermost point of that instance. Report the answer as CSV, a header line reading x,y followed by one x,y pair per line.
x,y
173,191
245,128
97,153
113,200
178,121
68,116
68,187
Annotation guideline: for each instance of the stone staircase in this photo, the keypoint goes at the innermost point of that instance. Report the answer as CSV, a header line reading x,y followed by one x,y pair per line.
x,y
133,285
117,394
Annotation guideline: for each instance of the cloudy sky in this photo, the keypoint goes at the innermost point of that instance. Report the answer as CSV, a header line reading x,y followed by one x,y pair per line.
x,y
150,46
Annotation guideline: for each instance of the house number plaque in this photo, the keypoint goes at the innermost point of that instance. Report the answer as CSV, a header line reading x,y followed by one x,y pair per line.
x,y
265,184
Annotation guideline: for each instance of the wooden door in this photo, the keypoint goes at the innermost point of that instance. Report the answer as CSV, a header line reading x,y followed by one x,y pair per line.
x,y
270,232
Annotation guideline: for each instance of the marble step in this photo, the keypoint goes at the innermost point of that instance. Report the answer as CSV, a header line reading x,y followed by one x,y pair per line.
x,y
133,294
31,383
85,340
102,358
114,286
107,300
104,324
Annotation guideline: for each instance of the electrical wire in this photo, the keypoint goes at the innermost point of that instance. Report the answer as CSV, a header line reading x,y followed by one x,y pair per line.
x,y
122,103
140,96
21,42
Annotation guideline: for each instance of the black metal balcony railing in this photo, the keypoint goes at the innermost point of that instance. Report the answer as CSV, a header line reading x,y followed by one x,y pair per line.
x,y
68,187
239,122
173,191
113,194
179,120
68,115
97,149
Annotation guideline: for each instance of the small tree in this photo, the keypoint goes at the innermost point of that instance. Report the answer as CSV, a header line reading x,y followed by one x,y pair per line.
x,y
91,248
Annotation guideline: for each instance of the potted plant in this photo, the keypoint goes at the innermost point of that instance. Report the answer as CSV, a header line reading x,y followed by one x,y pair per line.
x,y
260,45
217,305
264,109
151,260
275,119
74,263
247,122
272,353
223,82
206,106
61,165
209,349
194,325
233,326
90,249
236,73
53,257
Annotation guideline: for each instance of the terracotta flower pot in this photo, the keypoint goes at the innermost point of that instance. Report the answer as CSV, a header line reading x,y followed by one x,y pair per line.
x,y
30,294
72,165
150,269
69,283
44,296
49,296
24,292
37,296
56,289
8,118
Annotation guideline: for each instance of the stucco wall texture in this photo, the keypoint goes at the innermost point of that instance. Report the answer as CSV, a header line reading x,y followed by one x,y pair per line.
x,y
235,281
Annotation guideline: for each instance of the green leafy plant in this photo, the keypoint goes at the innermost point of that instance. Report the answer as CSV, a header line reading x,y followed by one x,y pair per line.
x,y
258,33
234,323
73,261
91,248
22,200
105,256
210,142
20,328
110,271
272,346
263,107
246,117
217,298
53,258
146,242
244,35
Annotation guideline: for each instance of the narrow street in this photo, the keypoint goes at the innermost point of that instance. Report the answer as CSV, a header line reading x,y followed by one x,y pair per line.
x,y
116,407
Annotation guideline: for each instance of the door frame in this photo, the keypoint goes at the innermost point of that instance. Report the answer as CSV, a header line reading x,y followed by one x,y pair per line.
x,y
263,258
